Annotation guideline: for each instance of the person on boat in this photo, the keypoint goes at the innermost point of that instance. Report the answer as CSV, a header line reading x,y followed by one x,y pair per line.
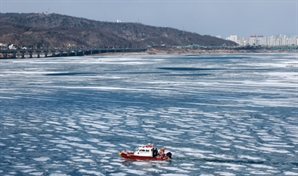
x,y
161,152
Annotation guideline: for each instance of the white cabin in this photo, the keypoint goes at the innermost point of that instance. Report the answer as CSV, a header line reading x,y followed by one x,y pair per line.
x,y
146,150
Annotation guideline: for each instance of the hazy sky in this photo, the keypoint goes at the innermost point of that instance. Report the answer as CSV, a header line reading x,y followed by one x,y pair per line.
x,y
211,17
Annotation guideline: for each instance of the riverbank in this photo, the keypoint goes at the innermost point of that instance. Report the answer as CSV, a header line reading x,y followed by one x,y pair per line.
x,y
174,51
162,51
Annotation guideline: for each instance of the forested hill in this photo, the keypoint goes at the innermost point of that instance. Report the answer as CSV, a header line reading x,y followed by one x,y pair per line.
x,y
55,30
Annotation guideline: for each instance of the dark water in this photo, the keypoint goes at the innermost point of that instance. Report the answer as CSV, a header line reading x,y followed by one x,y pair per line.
x,y
217,114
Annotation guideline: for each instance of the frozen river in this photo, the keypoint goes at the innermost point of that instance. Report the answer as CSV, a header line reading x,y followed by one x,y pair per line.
x,y
217,114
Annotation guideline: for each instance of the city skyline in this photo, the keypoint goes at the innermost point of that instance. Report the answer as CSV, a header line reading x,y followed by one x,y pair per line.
x,y
261,40
211,17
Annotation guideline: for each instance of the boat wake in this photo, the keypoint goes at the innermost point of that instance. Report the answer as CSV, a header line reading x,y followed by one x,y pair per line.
x,y
244,162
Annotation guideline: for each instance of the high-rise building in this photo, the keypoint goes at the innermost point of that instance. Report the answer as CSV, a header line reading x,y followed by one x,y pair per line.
x,y
270,41
260,40
252,40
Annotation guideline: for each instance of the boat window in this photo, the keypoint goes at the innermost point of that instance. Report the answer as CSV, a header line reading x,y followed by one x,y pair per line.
x,y
147,150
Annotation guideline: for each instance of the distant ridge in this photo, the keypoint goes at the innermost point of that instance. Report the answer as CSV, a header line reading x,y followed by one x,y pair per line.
x,y
56,30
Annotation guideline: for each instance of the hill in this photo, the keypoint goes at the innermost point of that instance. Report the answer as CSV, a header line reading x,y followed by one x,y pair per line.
x,y
55,30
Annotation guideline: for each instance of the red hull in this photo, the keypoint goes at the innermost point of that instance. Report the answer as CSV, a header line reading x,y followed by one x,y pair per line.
x,y
134,157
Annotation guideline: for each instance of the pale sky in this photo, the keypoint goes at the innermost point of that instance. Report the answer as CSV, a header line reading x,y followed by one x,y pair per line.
x,y
205,17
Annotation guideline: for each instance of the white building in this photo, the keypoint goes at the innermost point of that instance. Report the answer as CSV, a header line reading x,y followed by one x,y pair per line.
x,y
293,40
252,40
260,40
233,38
270,41
243,42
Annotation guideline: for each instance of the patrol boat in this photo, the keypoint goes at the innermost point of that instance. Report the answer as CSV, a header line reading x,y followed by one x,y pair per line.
x,y
146,152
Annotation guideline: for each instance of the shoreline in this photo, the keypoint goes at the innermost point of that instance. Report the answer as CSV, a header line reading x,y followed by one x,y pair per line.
x,y
177,51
